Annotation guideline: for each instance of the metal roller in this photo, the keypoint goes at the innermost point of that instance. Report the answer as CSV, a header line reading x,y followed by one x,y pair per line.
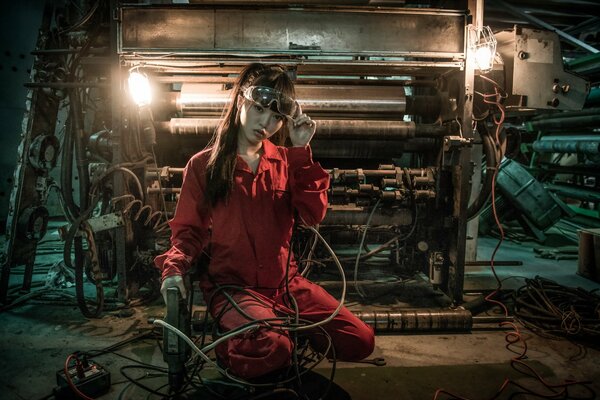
x,y
567,146
197,99
374,149
326,129
421,320
387,100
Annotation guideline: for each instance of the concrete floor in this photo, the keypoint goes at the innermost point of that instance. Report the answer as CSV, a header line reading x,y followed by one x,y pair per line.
x,y
36,338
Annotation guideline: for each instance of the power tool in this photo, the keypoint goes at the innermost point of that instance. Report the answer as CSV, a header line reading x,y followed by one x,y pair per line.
x,y
176,351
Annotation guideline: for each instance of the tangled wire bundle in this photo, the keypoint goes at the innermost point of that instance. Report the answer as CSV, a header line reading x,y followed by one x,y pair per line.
x,y
551,308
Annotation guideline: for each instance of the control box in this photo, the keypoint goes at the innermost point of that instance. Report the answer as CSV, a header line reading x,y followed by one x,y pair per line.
x,y
91,379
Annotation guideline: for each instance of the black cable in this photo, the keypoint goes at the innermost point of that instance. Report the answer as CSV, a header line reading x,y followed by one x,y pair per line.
x,y
81,160
491,162
136,382
253,321
66,172
550,308
72,238
143,335
294,307
83,20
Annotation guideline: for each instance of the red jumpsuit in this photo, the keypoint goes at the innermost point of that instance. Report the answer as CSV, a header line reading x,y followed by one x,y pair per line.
x,y
249,239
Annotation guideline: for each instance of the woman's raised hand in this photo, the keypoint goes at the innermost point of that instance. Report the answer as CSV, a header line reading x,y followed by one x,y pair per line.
x,y
301,128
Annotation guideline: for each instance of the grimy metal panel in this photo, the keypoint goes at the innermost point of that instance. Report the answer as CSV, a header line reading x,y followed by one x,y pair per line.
x,y
392,32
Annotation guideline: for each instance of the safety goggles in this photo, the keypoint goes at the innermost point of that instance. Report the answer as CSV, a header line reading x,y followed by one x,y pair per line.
x,y
273,99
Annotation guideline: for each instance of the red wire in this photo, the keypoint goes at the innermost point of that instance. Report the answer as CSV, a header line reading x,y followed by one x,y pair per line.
x,y
513,337
70,381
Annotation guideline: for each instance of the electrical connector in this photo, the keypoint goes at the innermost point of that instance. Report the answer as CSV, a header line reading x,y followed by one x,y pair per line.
x,y
90,378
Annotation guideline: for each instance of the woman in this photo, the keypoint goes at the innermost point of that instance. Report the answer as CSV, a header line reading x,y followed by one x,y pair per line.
x,y
238,199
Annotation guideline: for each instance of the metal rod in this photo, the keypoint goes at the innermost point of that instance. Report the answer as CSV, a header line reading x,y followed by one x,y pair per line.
x,y
165,190
539,22
563,123
568,114
575,192
490,320
485,263
181,78
65,85
93,50
169,170
570,169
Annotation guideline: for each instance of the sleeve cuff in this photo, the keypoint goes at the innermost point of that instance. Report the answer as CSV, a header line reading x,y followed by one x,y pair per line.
x,y
299,156
173,262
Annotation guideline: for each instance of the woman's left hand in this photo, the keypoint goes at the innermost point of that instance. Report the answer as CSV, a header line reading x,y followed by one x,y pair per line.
x,y
302,129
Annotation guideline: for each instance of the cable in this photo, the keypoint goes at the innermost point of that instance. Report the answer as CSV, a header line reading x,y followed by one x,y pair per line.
x,y
492,161
137,383
257,324
514,336
343,276
83,20
550,308
136,211
311,252
68,376
362,242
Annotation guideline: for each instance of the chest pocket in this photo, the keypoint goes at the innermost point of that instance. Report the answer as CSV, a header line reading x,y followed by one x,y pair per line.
x,y
281,194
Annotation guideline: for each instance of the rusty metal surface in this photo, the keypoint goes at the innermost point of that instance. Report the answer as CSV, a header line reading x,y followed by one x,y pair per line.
x,y
299,31
535,74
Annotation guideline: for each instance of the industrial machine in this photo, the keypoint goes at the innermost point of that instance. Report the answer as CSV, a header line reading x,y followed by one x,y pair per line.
x,y
392,89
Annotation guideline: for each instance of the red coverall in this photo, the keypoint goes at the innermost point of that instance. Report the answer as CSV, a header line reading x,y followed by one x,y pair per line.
x,y
249,237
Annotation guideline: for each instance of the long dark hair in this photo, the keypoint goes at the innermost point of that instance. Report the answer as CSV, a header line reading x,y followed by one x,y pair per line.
x,y
223,153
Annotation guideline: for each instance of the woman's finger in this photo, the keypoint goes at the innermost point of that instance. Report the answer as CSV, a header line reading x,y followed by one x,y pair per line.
x,y
303,119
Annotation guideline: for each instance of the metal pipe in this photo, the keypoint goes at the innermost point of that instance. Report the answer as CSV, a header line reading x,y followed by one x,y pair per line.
x,y
563,123
569,169
540,23
420,320
164,190
587,65
567,146
575,192
567,114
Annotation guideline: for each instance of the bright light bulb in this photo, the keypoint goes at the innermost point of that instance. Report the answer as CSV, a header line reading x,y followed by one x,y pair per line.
x,y
484,58
139,87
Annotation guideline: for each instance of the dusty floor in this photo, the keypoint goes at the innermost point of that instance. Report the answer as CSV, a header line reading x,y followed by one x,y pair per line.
x,y
36,338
